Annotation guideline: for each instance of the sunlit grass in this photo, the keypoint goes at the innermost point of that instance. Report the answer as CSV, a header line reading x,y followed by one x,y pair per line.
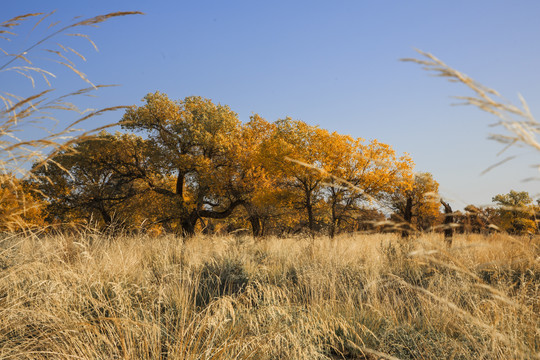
x,y
94,297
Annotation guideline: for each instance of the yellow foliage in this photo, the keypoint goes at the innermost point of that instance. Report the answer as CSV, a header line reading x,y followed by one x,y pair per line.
x,y
19,207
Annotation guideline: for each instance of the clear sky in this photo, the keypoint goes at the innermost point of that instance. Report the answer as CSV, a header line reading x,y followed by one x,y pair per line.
x,y
328,63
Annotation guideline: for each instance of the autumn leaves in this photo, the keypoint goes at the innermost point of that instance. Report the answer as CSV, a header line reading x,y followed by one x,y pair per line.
x,y
191,164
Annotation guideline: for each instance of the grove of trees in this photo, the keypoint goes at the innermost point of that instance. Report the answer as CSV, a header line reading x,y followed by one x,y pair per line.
x,y
191,165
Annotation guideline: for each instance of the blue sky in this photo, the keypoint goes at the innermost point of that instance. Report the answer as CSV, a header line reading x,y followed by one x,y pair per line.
x,y
328,63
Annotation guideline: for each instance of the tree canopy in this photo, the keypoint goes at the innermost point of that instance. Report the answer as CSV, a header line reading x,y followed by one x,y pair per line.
x,y
516,213
189,165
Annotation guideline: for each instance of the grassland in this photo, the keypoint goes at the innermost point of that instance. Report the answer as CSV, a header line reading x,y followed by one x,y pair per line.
x,y
93,296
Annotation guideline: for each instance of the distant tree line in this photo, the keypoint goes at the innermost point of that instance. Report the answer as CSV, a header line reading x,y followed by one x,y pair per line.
x,y
191,166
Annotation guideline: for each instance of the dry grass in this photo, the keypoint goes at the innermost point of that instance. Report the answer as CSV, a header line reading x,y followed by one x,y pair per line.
x,y
38,113
360,297
520,128
38,110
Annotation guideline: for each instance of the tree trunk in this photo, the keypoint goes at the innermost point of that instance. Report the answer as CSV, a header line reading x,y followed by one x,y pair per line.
x,y
254,219
448,221
333,222
407,218
309,209
256,226
107,219
332,232
189,221
180,184
188,224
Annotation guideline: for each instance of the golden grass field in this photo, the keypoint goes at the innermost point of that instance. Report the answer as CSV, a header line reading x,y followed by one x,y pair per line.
x,y
93,296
